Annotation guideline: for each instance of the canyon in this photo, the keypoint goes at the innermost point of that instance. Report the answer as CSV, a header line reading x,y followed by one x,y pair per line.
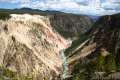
x,y
52,45
30,45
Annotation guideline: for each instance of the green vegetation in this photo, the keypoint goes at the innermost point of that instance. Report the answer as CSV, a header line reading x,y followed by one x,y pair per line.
x,y
110,64
33,11
98,67
6,74
4,15
86,71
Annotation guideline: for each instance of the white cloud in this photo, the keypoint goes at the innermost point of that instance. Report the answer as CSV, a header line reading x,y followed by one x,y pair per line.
x,y
92,7
53,5
111,5
115,1
15,1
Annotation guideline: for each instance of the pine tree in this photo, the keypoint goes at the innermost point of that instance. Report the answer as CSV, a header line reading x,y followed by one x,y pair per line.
x,y
110,64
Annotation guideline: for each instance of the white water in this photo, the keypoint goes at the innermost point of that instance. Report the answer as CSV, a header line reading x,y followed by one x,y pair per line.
x,y
65,65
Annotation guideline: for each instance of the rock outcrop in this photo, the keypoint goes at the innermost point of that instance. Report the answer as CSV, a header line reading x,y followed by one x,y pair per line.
x,y
103,59
29,46
70,26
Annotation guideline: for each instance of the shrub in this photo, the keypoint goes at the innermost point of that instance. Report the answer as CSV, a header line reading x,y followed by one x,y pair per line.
x,y
4,15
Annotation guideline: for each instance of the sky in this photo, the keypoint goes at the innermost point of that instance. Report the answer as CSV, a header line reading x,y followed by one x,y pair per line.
x,y
88,7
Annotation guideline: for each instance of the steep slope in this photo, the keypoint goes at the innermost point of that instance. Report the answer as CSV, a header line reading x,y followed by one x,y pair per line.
x,y
68,25
106,34
98,55
29,46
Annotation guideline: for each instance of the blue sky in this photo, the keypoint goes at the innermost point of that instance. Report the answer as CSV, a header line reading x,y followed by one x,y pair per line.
x,y
89,7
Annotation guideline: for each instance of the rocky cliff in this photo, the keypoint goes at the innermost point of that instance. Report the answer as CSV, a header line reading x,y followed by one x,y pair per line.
x,y
30,44
97,56
70,26
67,25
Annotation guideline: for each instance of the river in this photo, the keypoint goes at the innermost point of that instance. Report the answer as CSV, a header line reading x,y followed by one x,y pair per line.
x,y
65,65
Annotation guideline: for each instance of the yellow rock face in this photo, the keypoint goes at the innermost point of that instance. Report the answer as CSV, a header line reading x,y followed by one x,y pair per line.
x,y
28,45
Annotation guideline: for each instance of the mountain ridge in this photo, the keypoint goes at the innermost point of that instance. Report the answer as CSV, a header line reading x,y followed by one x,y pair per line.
x,y
101,59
